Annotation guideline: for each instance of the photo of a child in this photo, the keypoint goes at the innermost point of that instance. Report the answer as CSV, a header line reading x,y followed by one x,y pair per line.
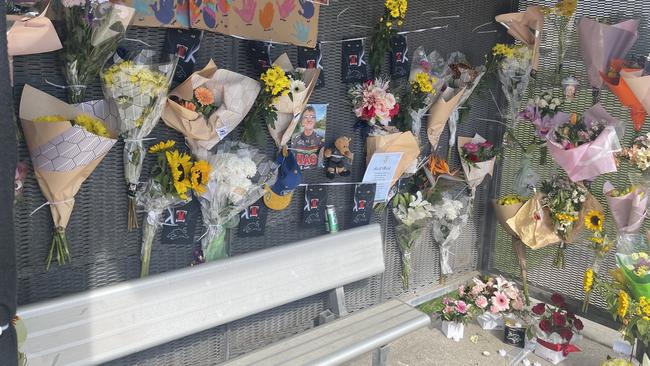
x,y
309,136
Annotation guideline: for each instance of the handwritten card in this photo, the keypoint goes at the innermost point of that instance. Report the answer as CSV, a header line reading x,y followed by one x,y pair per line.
x,y
381,170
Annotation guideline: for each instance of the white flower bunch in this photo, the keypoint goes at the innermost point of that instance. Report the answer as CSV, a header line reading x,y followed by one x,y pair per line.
x,y
448,215
234,171
412,209
548,102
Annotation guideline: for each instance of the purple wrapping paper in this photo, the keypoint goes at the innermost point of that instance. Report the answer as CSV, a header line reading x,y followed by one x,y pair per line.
x,y
600,43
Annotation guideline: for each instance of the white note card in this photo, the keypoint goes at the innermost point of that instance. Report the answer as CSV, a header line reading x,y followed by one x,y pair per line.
x,y
381,171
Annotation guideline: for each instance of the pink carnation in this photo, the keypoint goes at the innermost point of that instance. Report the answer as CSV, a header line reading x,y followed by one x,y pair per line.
x,y
462,307
493,309
481,302
447,309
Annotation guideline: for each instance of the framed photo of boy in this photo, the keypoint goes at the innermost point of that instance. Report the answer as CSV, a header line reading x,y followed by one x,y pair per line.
x,y
309,136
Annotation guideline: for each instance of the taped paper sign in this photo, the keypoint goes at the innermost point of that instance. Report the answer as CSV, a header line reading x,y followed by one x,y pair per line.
x,y
289,21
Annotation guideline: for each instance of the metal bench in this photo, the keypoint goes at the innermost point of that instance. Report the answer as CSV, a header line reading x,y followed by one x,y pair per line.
x,y
111,322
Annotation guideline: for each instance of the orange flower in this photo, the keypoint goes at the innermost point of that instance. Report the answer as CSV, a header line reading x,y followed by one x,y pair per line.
x,y
203,96
189,105
439,166
573,119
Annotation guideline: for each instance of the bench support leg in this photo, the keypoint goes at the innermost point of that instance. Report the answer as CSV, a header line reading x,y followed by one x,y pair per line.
x,y
337,302
380,356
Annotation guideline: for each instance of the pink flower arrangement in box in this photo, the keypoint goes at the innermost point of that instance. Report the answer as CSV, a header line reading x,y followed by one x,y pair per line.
x,y
494,295
457,311
373,102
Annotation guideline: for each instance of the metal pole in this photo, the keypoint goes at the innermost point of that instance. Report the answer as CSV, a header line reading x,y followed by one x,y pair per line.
x,y
8,156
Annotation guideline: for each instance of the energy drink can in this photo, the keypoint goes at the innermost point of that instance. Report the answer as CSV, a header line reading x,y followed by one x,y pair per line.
x,y
331,223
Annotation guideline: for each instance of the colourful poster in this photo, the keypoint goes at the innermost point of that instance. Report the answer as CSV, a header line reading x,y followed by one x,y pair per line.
x,y
285,21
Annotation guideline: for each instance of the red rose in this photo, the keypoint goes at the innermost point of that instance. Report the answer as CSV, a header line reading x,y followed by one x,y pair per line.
x,y
545,325
578,324
538,309
393,112
368,113
473,158
557,299
558,319
566,333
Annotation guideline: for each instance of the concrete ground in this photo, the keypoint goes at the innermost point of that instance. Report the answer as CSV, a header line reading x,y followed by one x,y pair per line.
x,y
428,346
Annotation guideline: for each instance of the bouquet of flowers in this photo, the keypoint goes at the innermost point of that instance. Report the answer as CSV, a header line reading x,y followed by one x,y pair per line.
x,y
208,105
280,103
66,146
416,102
633,312
527,27
394,14
93,30
628,207
493,297
618,85
567,203
237,180
600,43
454,314
136,87
561,15
544,112
506,208
639,156
514,74
555,330
432,64
449,217
373,103
460,79
600,244
172,181
477,158
584,147
413,212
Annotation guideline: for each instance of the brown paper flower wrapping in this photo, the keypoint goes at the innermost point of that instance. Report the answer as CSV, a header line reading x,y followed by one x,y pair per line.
x,y
289,110
63,155
403,142
525,26
504,213
440,112
628,211
534,226
234,94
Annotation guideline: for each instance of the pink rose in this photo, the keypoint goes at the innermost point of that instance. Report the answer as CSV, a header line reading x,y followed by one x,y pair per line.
x,y
470,148
462,307
481,302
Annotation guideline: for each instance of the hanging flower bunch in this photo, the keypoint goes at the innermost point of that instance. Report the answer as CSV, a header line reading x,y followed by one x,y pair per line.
x,y
373,103
394,14
514,66
275,83
600,244
639,153
564,200
413,212
416,101
561,15
173,178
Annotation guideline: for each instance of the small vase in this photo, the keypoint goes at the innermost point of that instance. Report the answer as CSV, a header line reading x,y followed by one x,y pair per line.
x,y
453,330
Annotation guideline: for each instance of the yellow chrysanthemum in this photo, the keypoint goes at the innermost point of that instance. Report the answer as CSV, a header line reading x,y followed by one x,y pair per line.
x,y
275,81
565,218
423,82
622,304
54,118
597,239
91,124
200,175
566,8
588,280
511,199
502,50
162,146
180,166
594,220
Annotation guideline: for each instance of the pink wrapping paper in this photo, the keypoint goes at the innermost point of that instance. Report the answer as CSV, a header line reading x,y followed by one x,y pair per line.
x,y
629,210
600,43
589,160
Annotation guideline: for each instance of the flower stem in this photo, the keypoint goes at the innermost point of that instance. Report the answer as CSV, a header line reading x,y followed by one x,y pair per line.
x,y
60,243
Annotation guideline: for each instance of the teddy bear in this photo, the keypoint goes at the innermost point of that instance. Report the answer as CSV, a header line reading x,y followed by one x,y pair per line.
x,y
339,158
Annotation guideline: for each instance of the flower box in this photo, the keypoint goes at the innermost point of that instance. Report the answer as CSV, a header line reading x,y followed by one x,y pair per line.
x,y
554,352
490,321
453,330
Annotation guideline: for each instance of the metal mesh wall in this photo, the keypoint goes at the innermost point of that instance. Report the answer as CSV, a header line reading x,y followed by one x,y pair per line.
x,y
105,253
578,256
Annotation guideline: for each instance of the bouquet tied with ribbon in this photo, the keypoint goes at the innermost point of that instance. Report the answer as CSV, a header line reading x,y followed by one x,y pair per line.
x,y
65,145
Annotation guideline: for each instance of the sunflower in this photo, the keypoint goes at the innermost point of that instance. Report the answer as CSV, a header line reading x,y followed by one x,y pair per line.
x,y
204,96
180,166
588,280
200,175
594,220
162,146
